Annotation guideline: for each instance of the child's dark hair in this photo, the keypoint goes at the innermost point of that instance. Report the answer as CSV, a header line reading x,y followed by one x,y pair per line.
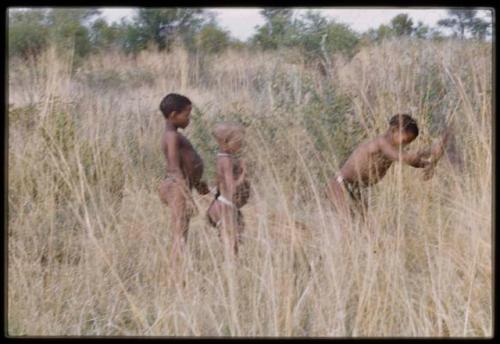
x,y
173,102
406,122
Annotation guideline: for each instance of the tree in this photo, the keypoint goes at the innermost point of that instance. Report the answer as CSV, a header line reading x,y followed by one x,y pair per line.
x,y
399,26
318,36
311,28
379,34
278,29
69,28
105,36
421,31
27,32
31,30
402,25
480,28
212,39
161,25
463,20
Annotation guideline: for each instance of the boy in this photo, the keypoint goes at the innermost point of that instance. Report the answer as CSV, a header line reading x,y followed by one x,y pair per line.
x,y
184,169
370,161
233,189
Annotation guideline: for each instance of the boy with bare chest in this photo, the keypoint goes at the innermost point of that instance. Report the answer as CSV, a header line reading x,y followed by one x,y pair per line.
x,y
184,169
370,161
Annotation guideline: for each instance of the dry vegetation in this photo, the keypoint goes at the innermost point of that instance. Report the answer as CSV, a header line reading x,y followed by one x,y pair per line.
x,y
88,238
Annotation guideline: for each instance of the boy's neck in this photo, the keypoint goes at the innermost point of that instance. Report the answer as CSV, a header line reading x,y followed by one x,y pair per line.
x,y
170,126
224,152
228,153
388,137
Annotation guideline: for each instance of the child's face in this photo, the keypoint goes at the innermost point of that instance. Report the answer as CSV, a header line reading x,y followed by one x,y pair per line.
x,y
181,118
402,138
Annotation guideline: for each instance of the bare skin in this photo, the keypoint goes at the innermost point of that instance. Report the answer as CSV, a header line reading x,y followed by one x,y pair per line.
x,y
232,184
370,161
184,169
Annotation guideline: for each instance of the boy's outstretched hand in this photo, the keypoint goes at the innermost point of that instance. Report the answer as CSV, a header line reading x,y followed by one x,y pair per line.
x,y
438,149
436,152
242,176
425,157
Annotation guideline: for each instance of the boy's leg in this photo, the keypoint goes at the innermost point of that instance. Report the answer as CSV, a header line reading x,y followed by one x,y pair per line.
x,y
214,213
359,200
229,228
179,221
337,195
363,200
240,226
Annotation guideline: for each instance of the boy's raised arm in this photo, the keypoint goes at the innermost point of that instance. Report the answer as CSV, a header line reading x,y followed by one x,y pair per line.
x,y
202,187
412,159
241,178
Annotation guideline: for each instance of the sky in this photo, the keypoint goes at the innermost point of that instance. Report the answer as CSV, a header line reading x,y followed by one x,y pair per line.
x,y
241,22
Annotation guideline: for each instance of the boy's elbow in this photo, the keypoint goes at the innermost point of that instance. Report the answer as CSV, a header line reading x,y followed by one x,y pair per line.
x,y
411,160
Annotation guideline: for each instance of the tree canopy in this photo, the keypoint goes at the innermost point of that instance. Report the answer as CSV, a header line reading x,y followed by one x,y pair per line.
x,y
30,31
465,20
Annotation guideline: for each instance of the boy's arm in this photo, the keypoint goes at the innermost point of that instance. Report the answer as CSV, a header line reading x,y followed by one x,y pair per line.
x,y
226,170
202,187
241,178
173,155
413,159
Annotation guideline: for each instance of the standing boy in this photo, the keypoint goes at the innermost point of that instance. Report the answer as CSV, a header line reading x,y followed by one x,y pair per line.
x,y
184,169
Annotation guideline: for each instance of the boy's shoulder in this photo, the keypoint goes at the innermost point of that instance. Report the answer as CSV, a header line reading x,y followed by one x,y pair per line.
x,y
172,134
371,145
172,137
378,141
224,159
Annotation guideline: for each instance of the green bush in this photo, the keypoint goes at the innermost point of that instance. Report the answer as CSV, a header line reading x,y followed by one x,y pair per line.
x,y
22,116
328,118
318,36
27,33
212,39
278,31
31,30
161,26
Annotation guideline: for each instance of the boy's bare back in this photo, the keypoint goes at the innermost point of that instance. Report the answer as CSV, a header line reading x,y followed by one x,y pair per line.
x,y
370,161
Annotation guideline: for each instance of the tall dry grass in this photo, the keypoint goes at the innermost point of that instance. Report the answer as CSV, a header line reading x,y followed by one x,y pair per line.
x,y
88,237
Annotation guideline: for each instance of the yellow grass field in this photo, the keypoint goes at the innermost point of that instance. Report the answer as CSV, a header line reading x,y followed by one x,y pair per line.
x,y
88,238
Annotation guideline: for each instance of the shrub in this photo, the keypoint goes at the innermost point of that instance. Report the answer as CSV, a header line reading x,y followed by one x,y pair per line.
x,y
27,33
212,39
